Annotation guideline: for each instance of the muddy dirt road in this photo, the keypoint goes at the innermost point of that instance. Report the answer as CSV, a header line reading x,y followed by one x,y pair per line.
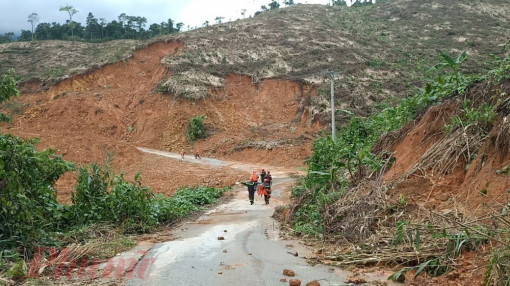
x,y
251,253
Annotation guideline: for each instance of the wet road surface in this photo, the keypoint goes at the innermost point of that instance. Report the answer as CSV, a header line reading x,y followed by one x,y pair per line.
x,y
251,253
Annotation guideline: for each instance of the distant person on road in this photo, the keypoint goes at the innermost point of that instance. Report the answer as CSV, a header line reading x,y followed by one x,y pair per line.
x,y
262,176
182,153
197,154
269,177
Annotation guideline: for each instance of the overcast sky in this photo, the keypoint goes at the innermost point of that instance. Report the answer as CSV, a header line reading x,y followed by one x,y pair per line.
x,y
14,13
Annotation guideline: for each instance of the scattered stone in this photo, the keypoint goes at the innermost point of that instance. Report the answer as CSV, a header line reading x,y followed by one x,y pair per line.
x,y
224,251
313,283
295,282
220,272
249,253
356,280
283,280
288,272
221,238
293,253
224,230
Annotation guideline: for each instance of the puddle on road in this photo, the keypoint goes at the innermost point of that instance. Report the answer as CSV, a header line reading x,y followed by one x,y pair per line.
x,y
205,245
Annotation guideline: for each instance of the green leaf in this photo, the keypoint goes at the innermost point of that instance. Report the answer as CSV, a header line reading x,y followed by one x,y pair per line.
x,y
346,111
447,59
410,235
395,276
418,240
421,267
461,58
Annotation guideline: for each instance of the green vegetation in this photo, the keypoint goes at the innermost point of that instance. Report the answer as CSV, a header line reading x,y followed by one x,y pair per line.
x,y
95,30
195,128
8,89
453,244
351,153
31,217
102,197
497,271
329,200
28,206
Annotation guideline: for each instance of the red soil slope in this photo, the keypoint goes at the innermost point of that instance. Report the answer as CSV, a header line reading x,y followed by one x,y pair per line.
x,y
115,109
474,190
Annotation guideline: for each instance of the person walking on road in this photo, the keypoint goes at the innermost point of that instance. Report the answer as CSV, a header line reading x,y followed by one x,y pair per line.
x,y
252,185
269,177
197,154
267,190
182,153
262,176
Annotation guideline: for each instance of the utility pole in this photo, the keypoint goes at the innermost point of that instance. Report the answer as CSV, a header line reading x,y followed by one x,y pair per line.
x,y
332,75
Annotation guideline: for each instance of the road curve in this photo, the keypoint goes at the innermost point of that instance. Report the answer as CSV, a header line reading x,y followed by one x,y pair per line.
x,y
250,253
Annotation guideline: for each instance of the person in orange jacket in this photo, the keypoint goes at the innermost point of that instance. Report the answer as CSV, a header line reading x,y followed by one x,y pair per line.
x,y
254,177
182,153
197,154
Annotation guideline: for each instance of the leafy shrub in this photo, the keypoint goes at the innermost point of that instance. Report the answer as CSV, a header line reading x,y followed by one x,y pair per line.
x,y
102,197
185,201
195,128
8,89
480,116
28,205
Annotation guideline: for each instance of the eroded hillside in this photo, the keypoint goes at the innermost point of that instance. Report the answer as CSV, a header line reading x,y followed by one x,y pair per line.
x,y
382,50
116,109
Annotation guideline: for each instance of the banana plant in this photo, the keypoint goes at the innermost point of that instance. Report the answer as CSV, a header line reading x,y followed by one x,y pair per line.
x,y
453,64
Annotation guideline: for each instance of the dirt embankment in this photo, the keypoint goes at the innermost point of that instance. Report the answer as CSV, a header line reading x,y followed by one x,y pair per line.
x,y
450,183
115,109
471,187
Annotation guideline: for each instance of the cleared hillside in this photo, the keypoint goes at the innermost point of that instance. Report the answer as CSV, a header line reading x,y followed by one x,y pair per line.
x,y
382,50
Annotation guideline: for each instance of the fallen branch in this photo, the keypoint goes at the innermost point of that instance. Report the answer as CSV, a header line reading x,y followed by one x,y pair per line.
x,y
473,229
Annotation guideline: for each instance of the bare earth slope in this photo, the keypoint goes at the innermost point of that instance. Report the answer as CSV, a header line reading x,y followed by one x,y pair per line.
x,y
381,50
114,109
